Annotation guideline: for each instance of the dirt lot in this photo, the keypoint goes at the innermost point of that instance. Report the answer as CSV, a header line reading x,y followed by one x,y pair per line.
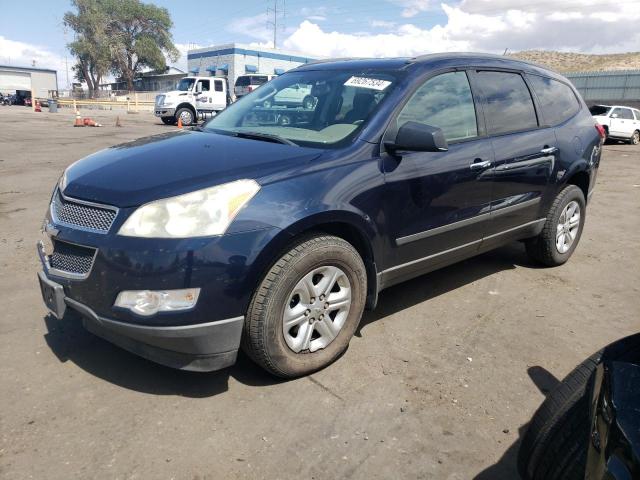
x,y
438,383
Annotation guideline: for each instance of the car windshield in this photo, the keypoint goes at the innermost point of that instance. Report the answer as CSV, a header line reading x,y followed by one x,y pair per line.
x,y
185,84
599,110
316,108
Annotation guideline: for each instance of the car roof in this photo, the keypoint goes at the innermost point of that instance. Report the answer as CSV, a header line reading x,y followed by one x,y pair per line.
x,y
434,60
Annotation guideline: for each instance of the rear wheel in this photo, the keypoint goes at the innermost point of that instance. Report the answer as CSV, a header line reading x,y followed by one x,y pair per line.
x,y
305,311
562,229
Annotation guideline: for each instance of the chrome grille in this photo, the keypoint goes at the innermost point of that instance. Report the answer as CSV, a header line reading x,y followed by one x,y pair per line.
x,y
83,215
70,258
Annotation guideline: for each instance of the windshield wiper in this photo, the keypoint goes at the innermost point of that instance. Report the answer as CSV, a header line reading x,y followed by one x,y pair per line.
x,y
265,137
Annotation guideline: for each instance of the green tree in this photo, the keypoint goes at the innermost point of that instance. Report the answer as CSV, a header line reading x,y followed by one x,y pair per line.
x,y
139,36
90,45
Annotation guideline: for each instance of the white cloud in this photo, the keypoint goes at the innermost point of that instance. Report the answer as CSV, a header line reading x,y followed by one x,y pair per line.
x,y
254,27
411,8
21,54
487,25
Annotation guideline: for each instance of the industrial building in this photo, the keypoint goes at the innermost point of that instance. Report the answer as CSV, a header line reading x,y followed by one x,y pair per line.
x,y
234,59
24,80
620,87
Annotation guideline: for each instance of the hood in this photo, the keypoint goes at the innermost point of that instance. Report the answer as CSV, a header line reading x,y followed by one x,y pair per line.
x,y
174,163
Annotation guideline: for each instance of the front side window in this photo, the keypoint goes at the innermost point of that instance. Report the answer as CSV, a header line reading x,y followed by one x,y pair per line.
x,y
445,102
317,108
557,100
203,86
623,113
509,107
637,114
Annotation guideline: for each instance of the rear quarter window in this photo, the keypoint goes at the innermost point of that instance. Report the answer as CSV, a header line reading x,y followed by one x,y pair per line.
x,y
508,103
557,100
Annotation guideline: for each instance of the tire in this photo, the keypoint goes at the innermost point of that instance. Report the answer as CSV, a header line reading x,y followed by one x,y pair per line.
x,y
187,116
543,248
265,339
308,102
635,138
168,120
554,447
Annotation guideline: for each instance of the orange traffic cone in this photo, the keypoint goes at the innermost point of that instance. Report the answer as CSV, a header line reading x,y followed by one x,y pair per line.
x,y
38,107
78,122
179,122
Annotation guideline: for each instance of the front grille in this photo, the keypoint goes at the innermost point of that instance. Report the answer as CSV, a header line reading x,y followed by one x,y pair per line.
x,y
70,258
82,215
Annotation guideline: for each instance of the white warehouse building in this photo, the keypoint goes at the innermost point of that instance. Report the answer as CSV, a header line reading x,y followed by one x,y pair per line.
x,y
24,80
234,59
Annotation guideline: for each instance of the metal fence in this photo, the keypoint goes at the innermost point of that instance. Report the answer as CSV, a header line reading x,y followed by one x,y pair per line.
x,y
612,87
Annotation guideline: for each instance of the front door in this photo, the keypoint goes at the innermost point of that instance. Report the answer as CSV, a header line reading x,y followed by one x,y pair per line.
x,y
437,203
622,122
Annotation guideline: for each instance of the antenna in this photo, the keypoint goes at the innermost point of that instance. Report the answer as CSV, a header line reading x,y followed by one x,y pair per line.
x,y
276,16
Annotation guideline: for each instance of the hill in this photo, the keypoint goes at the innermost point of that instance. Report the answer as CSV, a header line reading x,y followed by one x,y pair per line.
x,y
580,62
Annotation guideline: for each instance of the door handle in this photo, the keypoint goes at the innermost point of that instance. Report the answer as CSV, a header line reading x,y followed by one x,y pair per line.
x,y
549,150
479,164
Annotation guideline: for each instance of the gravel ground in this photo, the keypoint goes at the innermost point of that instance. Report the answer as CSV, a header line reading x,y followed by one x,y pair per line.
x,y
439,381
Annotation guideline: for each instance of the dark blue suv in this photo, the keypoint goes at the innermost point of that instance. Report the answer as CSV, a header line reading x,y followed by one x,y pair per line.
x,y
273,227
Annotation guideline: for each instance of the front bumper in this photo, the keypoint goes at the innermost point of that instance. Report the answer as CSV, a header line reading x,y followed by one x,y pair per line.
x,y
202,347
164,111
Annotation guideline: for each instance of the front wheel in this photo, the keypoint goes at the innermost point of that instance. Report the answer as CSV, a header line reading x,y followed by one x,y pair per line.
x,y
635,138
186,116
168,120
562,229
308,102
309,304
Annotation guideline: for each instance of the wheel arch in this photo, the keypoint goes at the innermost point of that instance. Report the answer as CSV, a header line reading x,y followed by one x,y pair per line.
x,y
343,224
580,179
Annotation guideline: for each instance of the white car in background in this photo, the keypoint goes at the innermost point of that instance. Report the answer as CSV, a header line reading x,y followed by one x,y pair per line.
x,y
620,123
297,95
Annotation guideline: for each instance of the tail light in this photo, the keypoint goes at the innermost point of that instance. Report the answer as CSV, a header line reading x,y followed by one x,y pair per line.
x,y
250,88
601,131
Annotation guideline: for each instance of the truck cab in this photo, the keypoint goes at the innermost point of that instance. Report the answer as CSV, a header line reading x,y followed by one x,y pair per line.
x,y
193,97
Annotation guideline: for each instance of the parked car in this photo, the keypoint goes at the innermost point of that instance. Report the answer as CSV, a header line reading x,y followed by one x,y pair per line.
x,y
620,123
589,426
248,83
27,101
298,95
182,246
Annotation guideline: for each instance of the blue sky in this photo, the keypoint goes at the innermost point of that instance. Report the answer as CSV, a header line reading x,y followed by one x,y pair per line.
x,y
372,28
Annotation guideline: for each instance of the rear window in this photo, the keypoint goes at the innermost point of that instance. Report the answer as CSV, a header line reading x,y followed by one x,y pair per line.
x,y
509,107
255,80
600,110
557,100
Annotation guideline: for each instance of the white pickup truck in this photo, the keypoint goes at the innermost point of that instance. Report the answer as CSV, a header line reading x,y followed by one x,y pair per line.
x,y
193,97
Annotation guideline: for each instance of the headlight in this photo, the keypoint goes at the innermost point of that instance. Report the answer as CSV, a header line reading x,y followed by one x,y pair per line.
x,y
197,214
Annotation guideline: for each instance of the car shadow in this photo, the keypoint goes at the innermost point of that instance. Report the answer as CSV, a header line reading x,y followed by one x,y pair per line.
x,y
506,468
69,341
423,288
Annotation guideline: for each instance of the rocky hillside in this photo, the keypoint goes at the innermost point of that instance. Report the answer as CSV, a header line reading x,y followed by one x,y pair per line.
x,y
580,62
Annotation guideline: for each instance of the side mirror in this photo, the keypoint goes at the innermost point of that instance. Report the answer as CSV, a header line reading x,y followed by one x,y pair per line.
x,y
614,115
418,137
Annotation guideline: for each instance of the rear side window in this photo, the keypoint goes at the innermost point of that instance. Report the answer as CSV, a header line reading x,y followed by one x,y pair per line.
x,y
258,79
557,100
218,85
444,101
509,107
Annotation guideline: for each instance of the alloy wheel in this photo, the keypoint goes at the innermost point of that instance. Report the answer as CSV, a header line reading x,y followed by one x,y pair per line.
x,y
568,226
317,309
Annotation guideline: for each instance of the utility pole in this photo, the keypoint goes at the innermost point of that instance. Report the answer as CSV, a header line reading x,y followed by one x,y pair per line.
x,y
277,13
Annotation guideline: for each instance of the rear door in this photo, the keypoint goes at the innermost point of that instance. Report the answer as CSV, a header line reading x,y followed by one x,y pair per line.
x,y
437,203
524,150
